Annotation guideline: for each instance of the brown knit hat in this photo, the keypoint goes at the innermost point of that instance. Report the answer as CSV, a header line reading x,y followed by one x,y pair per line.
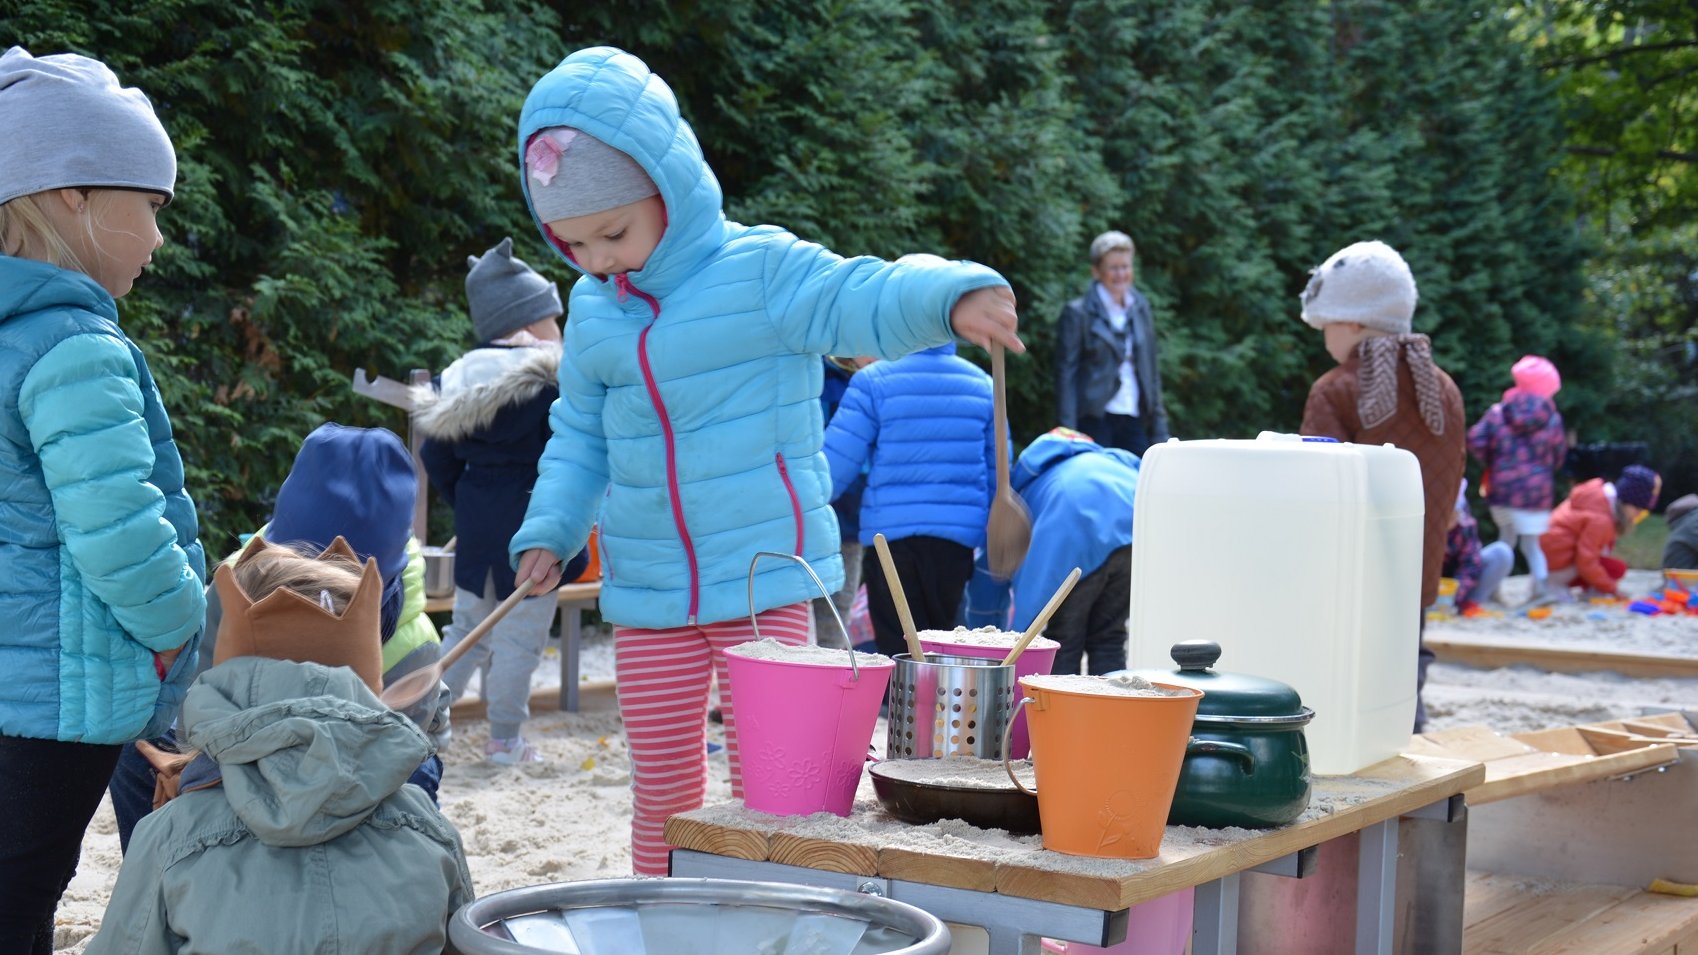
x,y
286,625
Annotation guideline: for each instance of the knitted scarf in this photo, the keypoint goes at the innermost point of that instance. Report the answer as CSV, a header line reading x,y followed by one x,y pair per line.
x,y
1376,399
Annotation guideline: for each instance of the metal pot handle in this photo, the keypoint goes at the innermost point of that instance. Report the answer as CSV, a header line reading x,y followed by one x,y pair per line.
x,y
1007,734
854,667
1214,747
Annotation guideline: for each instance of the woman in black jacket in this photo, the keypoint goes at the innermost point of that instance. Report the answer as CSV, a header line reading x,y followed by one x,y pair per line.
x,y
1108,381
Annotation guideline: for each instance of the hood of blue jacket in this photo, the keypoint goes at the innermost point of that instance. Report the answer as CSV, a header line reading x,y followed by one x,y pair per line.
x,y
30,286
1051,449
306,752
614,97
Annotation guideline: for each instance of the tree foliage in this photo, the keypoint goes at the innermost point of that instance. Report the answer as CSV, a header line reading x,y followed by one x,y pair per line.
x,y
340,160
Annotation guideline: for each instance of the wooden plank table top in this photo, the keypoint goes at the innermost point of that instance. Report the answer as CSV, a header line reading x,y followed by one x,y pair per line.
x,y
1533,762
1341,805
566,594
1512,915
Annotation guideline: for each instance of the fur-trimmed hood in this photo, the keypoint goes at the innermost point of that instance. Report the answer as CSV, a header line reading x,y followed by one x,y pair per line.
x,y
479,384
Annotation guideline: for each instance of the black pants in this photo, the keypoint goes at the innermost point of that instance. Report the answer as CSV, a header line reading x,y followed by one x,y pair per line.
x,y
48,793
1423,657
1122,431
1091,622
934,572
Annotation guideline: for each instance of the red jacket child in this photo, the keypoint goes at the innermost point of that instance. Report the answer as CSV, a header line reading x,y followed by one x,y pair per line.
x,y
1584,528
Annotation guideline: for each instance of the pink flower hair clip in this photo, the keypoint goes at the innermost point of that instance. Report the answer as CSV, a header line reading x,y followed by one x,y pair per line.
x,y
542,156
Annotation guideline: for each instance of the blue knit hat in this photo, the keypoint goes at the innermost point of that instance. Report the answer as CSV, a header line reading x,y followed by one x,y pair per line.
x,y
1639,486
354,482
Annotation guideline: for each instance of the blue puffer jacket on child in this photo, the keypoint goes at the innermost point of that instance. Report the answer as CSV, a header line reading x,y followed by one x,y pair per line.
x,y
689,391
924,423
101,565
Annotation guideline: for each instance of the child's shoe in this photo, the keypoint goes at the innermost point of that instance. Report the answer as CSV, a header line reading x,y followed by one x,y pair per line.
x,y
510,752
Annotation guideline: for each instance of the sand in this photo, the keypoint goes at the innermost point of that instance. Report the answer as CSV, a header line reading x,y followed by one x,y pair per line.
x,y
568,819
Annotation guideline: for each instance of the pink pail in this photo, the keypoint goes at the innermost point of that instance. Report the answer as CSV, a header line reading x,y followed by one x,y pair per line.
x,y
803,731
1035,661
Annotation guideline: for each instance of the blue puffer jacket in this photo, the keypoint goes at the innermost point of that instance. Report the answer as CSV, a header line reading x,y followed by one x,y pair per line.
x,y
99,562
1081,498
924,423
689,391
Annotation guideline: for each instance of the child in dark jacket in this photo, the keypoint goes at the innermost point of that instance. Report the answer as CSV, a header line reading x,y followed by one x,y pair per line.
x,y
921,426
847,507
1521,442
1477,570
1680,551
484,431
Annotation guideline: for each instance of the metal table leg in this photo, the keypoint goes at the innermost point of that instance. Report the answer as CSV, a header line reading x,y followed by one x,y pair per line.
x,y
1015,925
1214,926
1376,888
571,643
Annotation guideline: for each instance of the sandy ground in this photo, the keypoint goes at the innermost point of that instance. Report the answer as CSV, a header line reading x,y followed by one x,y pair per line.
x,y
568,818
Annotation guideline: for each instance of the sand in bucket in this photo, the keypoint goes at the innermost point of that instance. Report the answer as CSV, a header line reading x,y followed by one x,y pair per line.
x,y
804,722
1107,751
993,644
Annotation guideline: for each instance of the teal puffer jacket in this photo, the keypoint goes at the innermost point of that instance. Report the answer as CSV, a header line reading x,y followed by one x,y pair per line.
x,y
99,562
689,391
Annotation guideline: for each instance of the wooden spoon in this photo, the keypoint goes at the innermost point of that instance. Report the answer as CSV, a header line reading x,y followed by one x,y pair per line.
x,y
916,652
415,686
1008,532
1041,619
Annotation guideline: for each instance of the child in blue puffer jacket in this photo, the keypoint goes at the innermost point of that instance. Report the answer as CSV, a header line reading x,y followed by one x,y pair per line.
x,y
689,403
921,426
102,570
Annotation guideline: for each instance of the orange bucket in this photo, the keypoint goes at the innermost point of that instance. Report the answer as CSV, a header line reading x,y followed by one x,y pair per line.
x,y
1107,766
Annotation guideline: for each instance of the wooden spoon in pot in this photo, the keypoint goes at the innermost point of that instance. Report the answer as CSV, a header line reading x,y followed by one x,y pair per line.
x,y
1008,532
1042,619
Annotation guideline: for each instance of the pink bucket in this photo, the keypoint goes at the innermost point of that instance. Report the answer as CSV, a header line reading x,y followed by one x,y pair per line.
x,y
1157,927
1035,660
803,731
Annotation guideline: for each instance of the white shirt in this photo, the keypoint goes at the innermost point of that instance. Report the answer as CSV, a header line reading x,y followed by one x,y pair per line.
x,y
1125,401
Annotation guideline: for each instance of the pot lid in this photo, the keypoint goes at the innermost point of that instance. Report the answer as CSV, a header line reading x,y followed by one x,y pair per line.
x,y
1226,694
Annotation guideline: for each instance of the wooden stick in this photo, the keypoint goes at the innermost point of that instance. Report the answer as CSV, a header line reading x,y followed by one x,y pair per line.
x,y
488,623
1042,618
915,652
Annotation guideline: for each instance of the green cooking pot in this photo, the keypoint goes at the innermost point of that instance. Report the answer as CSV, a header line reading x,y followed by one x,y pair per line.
x,y
1247,763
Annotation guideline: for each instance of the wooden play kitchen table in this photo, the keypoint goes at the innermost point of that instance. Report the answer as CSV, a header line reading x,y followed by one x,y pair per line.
x,y
1020,897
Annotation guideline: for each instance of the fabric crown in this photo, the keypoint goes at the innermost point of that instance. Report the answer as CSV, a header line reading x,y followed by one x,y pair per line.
x,y
504,294
284,625
570,173
1639,486
69,123
1367,283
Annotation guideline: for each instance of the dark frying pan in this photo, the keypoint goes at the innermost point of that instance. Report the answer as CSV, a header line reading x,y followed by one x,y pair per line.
x,y
920,803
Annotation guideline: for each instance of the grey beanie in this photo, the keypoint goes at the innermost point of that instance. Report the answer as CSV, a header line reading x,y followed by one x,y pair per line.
x,y
504,294
1367,283
570,173
68,123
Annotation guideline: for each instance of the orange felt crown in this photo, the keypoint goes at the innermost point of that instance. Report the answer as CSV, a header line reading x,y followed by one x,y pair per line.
x,y
285,625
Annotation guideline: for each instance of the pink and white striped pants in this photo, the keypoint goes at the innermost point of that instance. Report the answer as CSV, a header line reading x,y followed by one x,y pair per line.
x,y
663,695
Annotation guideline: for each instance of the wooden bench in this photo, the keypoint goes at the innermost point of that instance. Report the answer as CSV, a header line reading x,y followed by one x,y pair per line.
x,y
1511,915
574,599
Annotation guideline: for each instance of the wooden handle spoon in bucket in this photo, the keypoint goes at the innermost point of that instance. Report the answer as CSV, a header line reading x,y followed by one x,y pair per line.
x,y
916,652
1008,532
1042,619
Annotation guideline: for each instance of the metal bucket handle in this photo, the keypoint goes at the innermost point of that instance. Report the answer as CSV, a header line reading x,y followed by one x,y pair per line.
x,y
854,667
1007,734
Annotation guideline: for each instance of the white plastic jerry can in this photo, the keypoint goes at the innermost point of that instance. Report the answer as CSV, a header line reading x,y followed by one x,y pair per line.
x,y
1302,559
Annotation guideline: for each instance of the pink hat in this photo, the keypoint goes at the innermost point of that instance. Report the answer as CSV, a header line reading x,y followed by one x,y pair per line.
x,y
1536,374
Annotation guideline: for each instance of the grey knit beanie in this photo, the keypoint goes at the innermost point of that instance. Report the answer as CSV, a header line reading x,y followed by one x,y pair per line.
x,y
570,173
68,123
1367,283
504,294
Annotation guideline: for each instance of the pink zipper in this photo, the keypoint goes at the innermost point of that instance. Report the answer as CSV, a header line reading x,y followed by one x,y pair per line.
x,y
795,501
624,285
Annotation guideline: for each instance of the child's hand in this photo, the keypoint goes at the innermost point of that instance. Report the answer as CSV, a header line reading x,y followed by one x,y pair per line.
x,y
541,566
985,315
